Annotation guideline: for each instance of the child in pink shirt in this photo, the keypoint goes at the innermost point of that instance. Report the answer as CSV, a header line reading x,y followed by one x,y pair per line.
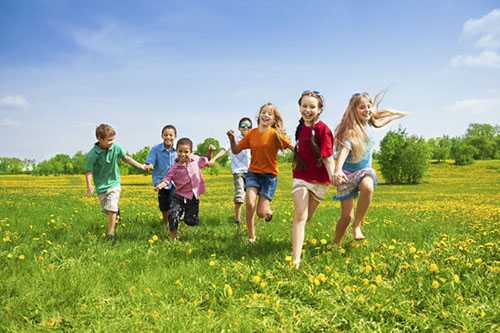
x,y
189,184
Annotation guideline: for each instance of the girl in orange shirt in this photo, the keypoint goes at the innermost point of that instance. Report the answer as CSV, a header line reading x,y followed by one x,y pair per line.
x,y
264,143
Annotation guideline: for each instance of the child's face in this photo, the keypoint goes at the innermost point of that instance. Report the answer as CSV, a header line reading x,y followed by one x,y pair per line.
x,y
266,117
106,143
183,152
309,109
168,136
364,109
245,127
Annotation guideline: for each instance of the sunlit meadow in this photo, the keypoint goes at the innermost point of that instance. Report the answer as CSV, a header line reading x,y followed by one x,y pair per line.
x,y
430,262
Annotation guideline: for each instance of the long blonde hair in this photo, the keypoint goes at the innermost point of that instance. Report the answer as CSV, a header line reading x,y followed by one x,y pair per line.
x,y
278,120
353,129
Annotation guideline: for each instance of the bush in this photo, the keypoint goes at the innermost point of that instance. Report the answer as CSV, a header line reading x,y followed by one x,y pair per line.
x,y
462,152
403,159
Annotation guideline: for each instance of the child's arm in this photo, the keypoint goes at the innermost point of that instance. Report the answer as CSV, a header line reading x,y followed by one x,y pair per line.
x,y
329,164
232,140
134,163
212,160
166,180
88,181
339,175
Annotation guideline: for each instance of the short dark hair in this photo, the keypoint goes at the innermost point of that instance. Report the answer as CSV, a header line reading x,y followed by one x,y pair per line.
x,y
104,131
167,127
184,141
245,119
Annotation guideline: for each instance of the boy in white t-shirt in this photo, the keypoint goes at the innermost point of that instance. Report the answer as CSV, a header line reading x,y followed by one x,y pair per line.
x,y
239,168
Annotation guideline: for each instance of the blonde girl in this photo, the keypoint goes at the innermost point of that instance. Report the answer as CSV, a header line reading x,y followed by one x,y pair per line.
x,y
353,167
313,166
264,143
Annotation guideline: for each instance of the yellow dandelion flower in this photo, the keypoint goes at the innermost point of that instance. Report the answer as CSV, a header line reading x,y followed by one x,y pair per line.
x,y
316,281
405,265
211,263
151,242
21,257
322,277
478,261
263,284
154,238
313,242
433,268
367,269
365,282
435,284
228,291
323,241
288,258
256,279
378,278
413,249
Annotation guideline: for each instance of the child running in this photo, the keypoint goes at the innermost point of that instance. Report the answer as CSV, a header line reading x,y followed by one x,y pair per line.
x,y
239,168
102,164
353,168
264,143
313,166
189,184
161,158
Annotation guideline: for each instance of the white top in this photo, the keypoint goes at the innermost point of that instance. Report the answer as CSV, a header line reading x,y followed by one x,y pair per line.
x,y
241,161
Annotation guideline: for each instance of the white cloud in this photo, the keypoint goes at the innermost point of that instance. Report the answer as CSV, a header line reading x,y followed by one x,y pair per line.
x,y
485,105
484,59
13,102
487,28
109,38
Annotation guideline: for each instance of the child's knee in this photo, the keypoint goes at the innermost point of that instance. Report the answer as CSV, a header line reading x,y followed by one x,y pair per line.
x,y
346,218
366,185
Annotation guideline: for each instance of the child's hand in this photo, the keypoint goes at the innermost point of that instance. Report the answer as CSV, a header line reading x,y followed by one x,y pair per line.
x,y
339,177
230,135
161,185
147,167
211,147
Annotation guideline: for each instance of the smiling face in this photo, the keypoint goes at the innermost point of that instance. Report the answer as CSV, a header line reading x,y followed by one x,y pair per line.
x,y
107,142
266,116
310,109
364,110
168,137
183,153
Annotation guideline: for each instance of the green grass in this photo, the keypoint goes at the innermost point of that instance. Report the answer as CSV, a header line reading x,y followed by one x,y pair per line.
x,y
58,273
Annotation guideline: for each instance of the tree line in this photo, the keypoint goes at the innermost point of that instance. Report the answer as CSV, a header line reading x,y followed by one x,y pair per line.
x,y
480,142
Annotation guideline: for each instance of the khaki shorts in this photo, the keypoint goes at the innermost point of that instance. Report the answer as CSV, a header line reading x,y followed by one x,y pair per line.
x,y
239,187
318,190
109,199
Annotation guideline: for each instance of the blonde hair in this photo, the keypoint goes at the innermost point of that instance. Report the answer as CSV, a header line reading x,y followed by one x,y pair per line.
x,y
353,129
103,131
278,120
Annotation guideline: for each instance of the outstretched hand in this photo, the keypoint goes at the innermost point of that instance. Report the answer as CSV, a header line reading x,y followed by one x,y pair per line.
x,y
161,185
231,135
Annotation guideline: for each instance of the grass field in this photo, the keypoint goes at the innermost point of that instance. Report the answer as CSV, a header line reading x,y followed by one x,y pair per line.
x,y
430,262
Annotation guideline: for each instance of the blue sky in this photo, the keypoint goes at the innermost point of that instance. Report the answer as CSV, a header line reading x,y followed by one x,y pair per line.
x,y
66,66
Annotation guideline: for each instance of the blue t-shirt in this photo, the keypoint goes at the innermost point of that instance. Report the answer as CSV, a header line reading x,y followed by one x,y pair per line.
x,y
366,159
162,160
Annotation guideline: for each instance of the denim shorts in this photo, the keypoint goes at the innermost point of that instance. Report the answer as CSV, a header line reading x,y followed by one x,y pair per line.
x,y
264,182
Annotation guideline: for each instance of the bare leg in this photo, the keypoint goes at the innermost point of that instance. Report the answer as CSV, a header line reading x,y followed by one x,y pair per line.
x,y
344,220
263,207
111,222
365,198
237,211
251,198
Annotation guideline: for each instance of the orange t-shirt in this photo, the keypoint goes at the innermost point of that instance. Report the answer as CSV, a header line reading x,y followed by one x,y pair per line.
x,y
264,147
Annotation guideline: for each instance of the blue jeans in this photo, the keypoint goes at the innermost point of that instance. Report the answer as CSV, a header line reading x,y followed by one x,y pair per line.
x,y
264,182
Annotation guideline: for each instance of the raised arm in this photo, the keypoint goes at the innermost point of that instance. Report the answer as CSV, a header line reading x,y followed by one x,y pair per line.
x,y
212,160
232,140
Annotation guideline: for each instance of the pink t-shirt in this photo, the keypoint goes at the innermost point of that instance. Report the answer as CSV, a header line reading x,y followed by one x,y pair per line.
x,y
312,172
188,180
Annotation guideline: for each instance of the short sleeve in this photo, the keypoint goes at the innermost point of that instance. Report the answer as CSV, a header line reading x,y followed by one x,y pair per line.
x,y
326,143
151,158
89,161
120,151
202,162
244,143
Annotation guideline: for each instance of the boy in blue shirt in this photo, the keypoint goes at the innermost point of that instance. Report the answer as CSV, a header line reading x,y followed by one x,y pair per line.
x,y
102,165
161,158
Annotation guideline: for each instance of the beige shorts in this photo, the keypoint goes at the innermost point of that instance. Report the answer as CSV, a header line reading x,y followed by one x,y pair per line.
x,y
239,187
109,199
318,190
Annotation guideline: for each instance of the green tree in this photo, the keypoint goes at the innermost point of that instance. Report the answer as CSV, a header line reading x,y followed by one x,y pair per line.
x,y
462,152
403,159
202,150
11,165
483,138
